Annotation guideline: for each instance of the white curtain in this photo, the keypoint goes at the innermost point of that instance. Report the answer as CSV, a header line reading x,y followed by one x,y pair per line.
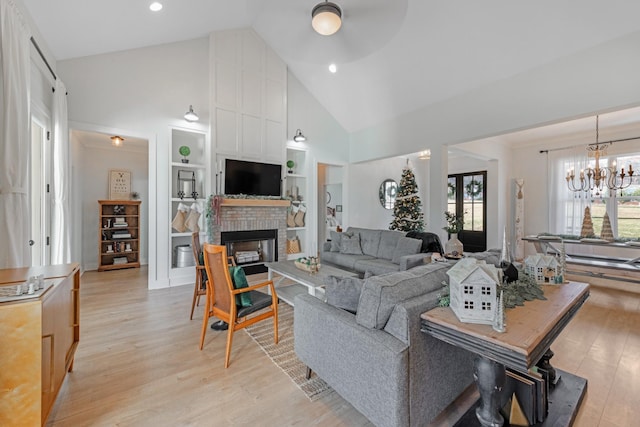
x,y
60,229
566,208
14,137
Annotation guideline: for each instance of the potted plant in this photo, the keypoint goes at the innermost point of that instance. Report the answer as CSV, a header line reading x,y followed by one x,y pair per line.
x,y
453,248
184,151
454,223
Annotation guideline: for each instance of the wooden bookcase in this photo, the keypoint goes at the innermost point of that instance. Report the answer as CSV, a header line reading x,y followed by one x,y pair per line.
x,y
119,218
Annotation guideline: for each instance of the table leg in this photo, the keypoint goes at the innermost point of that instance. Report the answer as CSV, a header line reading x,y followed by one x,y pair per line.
x,y
490,379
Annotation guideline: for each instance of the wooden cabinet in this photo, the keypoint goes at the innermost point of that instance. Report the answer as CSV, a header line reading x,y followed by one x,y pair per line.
x,y
119,234
38,340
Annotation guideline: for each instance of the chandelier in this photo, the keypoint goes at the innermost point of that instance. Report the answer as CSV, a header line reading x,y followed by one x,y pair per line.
x,y
599,178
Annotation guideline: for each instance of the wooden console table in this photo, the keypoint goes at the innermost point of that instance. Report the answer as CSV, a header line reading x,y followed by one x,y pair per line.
x,y
530,331
39,334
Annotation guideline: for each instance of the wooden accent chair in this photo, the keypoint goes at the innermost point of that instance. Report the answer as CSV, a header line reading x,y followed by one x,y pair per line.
x,y
221,299
200,288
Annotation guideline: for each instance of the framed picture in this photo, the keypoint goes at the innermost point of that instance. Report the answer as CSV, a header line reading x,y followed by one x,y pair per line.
x,y
119,184
338,208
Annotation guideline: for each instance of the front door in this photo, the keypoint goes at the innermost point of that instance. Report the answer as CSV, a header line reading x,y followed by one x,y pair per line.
x,y
467,198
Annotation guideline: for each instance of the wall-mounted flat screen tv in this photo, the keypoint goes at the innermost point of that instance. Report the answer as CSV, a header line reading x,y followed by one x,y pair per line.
x,y
252,178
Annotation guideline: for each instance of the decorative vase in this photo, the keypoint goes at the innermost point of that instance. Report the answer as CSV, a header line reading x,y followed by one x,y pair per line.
x,y
454,247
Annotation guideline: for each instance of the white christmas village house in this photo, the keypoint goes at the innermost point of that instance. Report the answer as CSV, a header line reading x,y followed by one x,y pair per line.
x,y
544,269
473,291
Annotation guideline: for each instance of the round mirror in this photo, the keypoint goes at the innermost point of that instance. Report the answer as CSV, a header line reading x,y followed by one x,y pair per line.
x,y
387,193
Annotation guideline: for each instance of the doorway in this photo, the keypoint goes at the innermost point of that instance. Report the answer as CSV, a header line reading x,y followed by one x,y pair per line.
x,y
467,198
330,200
94,156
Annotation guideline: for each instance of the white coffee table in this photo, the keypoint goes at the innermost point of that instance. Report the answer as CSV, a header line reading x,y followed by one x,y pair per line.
x,y
305,282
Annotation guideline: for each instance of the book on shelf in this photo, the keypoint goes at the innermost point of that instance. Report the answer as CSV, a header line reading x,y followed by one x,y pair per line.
x,y
116,235
120,224
120,260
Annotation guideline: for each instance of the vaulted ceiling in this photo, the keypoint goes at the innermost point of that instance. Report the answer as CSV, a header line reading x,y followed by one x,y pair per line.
x,y
393,56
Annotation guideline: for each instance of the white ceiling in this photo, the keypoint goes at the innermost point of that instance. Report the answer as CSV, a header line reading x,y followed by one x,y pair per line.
x,y
393,56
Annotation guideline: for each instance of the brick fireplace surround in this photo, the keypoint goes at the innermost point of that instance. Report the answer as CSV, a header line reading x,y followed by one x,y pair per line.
x,y
253,214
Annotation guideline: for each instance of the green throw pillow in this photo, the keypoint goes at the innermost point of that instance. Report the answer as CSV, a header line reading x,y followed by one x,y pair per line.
x,y
239,282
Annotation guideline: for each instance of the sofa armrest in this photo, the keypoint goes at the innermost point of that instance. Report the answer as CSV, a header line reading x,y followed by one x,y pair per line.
x,y
447,369
367,367
410,261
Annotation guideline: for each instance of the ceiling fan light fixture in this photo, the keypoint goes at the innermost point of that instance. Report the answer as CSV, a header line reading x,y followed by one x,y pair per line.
x,y
116,141
190,115
326,18
299,137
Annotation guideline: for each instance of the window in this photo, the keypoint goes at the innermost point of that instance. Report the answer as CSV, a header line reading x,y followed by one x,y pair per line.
x,y
468,290
486,305
622,206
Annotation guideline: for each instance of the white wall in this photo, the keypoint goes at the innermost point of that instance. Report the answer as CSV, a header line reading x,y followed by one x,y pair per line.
x,y
327,143
143,91
552,93
363,203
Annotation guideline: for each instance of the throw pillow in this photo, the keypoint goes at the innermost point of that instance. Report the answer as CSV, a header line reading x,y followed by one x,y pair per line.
x,y
240,281
343,292
406,246
350,244
336,238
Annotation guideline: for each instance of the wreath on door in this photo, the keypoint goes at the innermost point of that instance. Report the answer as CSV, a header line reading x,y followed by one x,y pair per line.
x,y
474,188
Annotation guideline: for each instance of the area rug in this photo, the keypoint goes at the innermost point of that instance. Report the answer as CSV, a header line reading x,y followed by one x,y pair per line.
x,y
283,354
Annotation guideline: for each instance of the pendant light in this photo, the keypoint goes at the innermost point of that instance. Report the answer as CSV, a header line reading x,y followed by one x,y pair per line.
x,y
326,18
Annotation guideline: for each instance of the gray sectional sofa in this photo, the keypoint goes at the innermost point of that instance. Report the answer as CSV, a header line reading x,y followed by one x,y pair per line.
x,y
378,359
377,251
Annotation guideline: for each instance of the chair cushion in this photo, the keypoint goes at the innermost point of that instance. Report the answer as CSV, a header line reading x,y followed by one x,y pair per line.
x,y
260,300
343,292
406,246
240,281
350,244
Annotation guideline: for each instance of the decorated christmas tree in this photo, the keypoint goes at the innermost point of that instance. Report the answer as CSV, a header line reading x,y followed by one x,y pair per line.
x,y
607,231
407,210
587,224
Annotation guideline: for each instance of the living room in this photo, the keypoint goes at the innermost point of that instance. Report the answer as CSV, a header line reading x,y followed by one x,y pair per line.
x,y
143,91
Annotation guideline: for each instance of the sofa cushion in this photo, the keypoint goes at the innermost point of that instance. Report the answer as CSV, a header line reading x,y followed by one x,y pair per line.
x,y
405,246
336,238
375,266
343,292
344,260
350,244
380,294
388,242
369,239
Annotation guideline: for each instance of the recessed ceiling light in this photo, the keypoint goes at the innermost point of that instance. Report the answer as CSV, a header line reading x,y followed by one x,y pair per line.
x,y
155,6
333,68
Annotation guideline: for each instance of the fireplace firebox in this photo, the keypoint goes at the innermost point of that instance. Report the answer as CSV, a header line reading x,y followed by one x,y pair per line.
x,y
251,248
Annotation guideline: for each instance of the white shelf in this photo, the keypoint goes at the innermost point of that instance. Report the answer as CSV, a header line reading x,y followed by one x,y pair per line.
x,y
296,228
295,175
188,165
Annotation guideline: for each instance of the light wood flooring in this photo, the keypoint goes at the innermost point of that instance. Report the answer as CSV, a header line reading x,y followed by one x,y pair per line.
x,y
138,364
